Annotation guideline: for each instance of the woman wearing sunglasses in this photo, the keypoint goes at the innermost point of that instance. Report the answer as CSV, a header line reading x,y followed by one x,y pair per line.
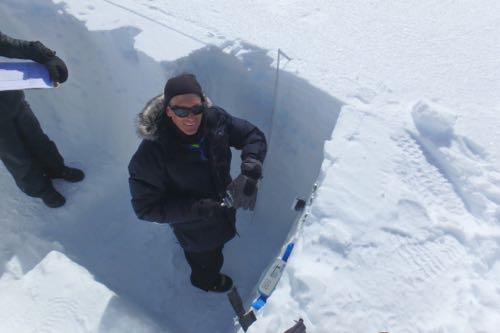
x,y
180,174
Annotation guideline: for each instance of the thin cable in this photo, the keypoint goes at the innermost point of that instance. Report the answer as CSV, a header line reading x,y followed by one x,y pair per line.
x,y
157,22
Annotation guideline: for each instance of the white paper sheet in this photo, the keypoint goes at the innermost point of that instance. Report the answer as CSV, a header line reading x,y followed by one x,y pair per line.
x,y
23,75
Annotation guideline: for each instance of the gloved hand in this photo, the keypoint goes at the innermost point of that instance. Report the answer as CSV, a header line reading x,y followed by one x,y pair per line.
x,y
208,208
39,52
57,69
243,189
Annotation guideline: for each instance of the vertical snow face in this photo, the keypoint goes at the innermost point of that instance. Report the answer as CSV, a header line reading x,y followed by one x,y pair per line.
x,y
296,117
91,118
240,79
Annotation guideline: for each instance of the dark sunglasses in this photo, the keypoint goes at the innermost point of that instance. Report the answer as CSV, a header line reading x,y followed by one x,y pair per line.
x,y
184,112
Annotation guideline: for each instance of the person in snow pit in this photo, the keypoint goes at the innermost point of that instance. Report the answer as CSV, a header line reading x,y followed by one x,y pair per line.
x,y
180,174
26,151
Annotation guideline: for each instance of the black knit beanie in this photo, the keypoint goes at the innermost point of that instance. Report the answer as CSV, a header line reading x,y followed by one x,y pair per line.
x,y
182,84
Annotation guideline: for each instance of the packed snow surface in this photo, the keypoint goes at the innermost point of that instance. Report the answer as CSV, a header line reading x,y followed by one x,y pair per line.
x,y
392,108
35,303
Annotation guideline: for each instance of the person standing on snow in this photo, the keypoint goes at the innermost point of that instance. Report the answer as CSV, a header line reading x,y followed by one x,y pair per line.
x,y
26,151
180,174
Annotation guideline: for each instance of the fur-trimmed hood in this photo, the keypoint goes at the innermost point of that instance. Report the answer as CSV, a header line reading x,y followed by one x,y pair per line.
x,y
147,119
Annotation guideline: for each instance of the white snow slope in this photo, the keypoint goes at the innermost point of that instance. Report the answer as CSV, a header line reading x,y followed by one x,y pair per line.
x,y
391,107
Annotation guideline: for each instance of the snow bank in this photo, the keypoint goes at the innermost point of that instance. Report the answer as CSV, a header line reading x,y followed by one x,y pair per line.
x,y
464,163
433,122
55,296
393,241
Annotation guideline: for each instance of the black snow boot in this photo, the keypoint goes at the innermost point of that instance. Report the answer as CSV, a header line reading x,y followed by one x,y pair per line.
x,y
71,175
52,198
223,285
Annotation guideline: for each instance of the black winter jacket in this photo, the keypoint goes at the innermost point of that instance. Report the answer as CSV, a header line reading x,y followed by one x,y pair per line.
x,y
167,175
10,101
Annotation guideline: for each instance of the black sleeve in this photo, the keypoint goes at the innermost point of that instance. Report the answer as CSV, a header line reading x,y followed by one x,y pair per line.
x,y
14,48
149,187
21,49
248,138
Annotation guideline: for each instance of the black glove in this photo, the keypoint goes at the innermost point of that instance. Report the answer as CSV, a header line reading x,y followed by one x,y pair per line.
x,y
243,189
252,168
57,69
39,52
208,208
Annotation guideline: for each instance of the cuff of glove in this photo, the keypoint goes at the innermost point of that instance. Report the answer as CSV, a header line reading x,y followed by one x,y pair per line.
x,y
252,168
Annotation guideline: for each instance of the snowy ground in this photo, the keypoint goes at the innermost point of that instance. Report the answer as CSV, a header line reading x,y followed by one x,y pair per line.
x,y
404,232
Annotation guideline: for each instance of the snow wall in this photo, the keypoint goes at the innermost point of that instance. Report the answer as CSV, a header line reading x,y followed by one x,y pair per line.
x,y
91,118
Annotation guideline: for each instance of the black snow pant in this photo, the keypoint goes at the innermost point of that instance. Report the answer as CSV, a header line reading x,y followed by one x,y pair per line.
x,y
205,267
28,153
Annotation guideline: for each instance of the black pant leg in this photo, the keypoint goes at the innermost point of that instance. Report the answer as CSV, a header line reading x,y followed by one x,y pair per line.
x,y
205,267
40,145
19,161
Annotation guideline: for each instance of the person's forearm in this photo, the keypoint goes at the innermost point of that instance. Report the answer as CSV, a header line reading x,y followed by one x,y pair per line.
x,y
14,48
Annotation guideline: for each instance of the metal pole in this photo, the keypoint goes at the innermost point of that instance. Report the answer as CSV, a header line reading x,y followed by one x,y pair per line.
x,y
275,93
275,99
